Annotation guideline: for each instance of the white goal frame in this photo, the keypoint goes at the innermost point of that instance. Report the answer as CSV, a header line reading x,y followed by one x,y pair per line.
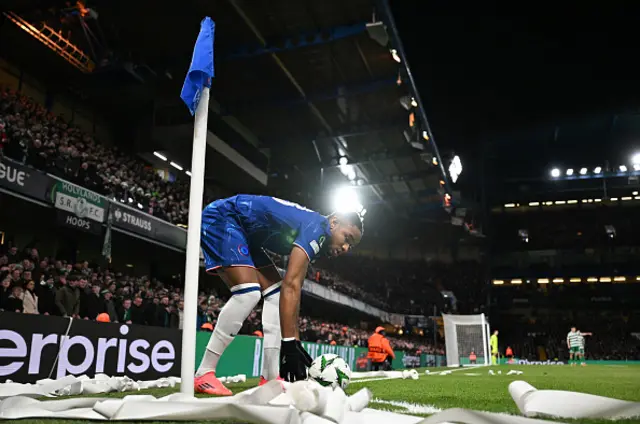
x,y
451,324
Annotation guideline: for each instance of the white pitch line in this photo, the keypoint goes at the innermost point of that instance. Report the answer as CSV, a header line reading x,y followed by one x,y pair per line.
x,y
368,380
448,371
412,408
457,369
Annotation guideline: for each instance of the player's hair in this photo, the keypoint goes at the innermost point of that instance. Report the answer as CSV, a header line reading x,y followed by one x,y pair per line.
x,y
351,218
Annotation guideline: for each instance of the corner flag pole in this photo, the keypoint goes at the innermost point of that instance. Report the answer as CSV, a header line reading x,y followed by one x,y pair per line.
x,y
195,94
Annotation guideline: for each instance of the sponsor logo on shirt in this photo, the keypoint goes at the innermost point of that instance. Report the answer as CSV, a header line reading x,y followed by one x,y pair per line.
x,y
315,246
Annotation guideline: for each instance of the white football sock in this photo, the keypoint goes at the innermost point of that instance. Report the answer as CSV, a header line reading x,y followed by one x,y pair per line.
x,y
272,334
244,297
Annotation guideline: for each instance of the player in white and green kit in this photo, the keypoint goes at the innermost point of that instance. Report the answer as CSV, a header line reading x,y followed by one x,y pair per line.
x,y
581,350
575,341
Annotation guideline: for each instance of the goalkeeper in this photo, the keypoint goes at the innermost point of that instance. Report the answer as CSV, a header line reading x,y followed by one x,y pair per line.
x,y
494,348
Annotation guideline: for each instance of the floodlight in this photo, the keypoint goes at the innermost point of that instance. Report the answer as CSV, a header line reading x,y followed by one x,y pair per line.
x,y
345,199
569,171
395,56
555,172
597,170
583,171
455,168
635,159
623,168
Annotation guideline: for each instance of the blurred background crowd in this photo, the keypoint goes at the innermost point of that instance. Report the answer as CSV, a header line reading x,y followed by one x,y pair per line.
x,y
36,284
403,286
29,134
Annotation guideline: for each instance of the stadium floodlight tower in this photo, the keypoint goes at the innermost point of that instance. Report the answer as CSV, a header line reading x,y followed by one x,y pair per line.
x,y
464,335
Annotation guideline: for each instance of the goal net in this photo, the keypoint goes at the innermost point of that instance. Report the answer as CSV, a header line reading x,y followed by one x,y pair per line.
x,y
467,340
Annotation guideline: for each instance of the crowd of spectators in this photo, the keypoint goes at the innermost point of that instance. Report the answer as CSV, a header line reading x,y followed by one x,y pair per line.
x,y
407,287
31,135
52,286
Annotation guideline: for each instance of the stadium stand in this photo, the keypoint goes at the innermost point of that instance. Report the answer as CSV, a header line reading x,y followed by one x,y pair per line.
x,y
44,141
564,248
34,136
32,284
410,287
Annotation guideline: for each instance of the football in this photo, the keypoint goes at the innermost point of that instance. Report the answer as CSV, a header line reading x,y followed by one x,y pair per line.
x,y
330,370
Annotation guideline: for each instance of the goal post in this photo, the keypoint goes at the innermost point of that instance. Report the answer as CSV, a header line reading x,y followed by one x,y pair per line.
x,y
466,336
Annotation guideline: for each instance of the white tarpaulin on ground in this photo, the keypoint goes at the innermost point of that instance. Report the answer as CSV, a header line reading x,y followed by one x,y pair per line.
x,y
558,403
276,403
304,402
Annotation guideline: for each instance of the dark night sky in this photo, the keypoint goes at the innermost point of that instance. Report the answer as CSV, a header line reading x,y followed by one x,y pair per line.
x,y
484,72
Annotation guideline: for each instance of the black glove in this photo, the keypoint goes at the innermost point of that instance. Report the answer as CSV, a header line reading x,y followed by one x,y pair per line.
x,y
306,357
292,361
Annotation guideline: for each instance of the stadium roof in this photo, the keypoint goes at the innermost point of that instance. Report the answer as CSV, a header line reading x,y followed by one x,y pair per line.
x,y
298,84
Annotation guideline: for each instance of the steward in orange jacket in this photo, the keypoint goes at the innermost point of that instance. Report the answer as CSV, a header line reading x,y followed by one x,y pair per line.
x,y
509,352
380,352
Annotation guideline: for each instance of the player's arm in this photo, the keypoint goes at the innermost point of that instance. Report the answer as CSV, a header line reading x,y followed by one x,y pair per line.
x,y
291,291
294,360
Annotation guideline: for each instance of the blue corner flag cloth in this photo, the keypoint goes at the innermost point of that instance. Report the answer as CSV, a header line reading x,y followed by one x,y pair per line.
x,y
201,69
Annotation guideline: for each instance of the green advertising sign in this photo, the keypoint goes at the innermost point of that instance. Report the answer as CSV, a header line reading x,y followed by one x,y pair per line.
x,y
518,361
79,201
244,355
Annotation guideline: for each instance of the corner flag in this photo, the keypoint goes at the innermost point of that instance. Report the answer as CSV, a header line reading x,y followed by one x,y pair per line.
x,y
201,69
195,94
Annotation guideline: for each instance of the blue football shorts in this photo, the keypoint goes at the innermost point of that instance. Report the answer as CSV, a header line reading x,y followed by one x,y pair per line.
x,y
225,243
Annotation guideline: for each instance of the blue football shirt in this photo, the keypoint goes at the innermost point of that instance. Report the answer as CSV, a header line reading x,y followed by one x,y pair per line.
x,y
278,225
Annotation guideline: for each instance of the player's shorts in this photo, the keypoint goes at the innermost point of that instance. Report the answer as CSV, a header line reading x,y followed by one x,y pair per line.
x,y
581,351
574,349
224,241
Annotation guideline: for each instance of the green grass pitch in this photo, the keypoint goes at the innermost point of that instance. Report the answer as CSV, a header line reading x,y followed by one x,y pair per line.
x,y
474,388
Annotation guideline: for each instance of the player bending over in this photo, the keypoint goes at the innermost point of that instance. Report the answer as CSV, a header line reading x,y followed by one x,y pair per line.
x,y
235,233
